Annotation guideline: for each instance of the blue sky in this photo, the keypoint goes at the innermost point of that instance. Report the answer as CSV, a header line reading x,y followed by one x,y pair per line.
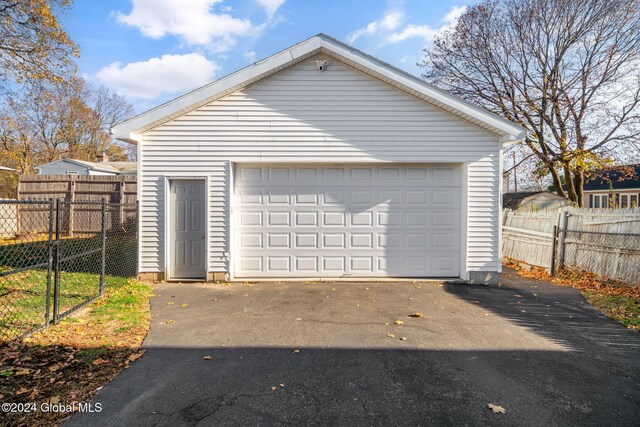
x,y
154,50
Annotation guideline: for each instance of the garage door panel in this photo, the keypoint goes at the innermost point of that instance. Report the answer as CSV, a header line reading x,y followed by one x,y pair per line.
x,y
331,221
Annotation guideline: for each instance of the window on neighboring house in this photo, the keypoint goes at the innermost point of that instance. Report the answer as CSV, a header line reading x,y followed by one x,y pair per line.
x,y
626,200
633,201
600,201
72,172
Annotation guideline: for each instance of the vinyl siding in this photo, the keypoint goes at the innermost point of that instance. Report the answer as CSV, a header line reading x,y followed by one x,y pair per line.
x,y
301,115
61,168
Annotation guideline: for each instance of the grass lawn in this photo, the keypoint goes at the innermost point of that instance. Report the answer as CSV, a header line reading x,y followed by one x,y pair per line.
x,y
23,294
616,300
68,362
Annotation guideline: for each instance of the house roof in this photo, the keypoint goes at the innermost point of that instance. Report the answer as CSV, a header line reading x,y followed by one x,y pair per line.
x,y
112,167
611,178
130,130
513,200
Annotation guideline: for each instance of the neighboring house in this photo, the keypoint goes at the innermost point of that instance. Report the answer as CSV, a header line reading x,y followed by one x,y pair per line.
x,y
610,191
533,200
319,162
83,167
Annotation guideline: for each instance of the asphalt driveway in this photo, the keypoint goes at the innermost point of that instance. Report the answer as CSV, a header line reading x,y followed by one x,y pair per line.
x,y
331,354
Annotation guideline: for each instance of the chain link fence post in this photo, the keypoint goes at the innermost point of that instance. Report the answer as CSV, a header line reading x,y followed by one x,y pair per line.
x,y
104,246
554,240
56,264
47,316
563,238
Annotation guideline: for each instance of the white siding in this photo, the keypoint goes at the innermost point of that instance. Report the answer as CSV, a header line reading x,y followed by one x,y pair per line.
x,y
302,115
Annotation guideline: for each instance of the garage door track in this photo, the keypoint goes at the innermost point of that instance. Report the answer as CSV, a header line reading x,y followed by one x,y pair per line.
x,y
348,353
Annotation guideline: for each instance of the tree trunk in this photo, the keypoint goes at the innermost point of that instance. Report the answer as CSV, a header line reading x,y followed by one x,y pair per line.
x,y
557,182
578,181
568,180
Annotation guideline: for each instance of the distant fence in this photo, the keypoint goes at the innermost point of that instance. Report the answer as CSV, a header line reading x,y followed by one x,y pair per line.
x,y
601,241
87,190
9,213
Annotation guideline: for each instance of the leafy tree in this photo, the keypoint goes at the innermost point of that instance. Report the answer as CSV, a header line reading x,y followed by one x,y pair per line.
x,y
33,44
567,70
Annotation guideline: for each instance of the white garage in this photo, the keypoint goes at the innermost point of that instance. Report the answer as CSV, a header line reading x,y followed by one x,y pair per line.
x,y
319,162
347,221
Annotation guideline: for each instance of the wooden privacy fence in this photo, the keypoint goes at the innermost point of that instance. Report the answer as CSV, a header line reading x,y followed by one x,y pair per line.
x,y
602,241
83,192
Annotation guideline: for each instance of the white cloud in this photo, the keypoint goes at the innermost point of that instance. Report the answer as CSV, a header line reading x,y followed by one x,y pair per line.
x,y
250,56
271,6
389,22
388,31
454,14
194,21
411,30
158,76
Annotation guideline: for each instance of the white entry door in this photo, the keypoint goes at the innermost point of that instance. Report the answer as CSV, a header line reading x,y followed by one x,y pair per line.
x,y
347,221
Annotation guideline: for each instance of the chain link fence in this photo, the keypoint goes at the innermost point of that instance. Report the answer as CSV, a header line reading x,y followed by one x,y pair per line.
x,y
56,256
612,255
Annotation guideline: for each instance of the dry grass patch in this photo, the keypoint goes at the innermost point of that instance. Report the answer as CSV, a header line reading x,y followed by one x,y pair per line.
x,y
69,362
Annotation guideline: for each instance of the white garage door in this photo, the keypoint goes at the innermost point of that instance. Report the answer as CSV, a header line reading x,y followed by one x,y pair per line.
x,y
347,221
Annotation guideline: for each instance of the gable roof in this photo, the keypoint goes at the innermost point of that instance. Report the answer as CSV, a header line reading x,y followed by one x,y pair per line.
x,y
111,167
514,200
130,130
612,176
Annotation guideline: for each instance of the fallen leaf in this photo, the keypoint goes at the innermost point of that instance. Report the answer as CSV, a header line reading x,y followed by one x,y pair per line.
x,y
296,351
170,321
99,361
208,357
399,322
273,388
403,338
183,305
54,400
497,409
54,368
22,391
416,315
136,356
170,303
281,385
391,335
23,372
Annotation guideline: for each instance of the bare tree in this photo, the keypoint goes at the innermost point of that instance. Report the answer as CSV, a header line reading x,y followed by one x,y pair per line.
x,y
567,70
48,121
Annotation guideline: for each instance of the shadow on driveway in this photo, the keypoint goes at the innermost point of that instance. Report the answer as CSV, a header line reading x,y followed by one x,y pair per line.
x,y
548,358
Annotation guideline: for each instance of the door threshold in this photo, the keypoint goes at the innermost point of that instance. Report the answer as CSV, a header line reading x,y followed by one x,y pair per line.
x,y
178,280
